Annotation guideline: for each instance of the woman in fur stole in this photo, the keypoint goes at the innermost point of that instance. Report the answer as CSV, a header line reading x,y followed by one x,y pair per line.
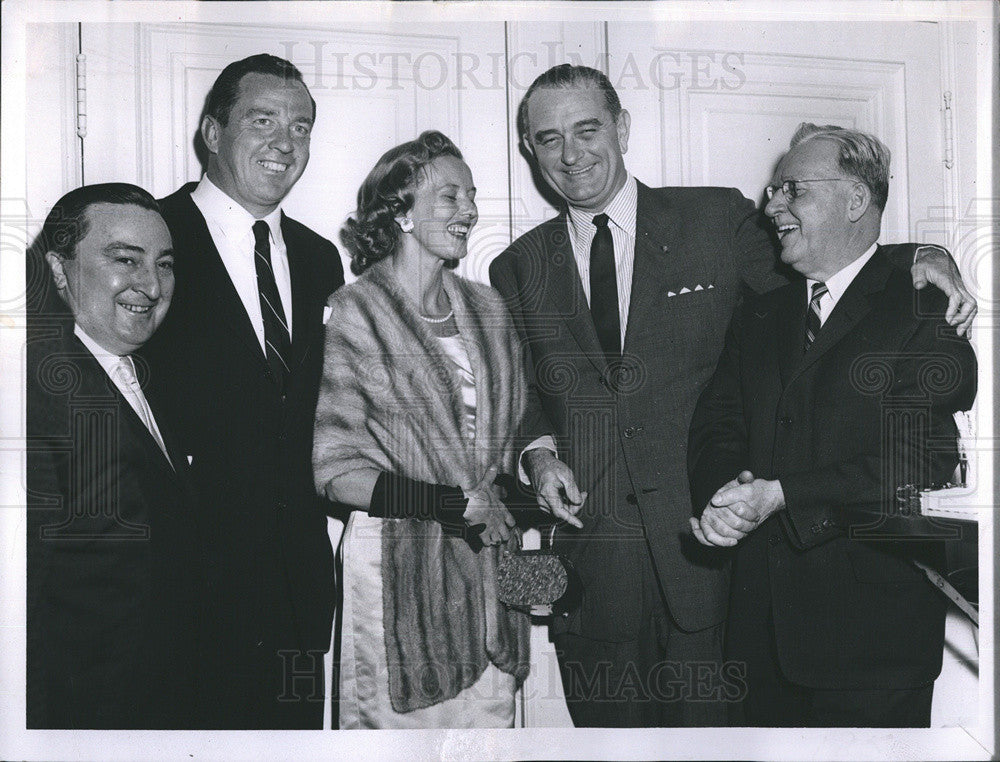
x,y
422,393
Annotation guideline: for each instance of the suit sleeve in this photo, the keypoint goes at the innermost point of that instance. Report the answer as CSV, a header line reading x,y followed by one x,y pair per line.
x,y
535,423
935,367
44,487
717,443
754,246
334,268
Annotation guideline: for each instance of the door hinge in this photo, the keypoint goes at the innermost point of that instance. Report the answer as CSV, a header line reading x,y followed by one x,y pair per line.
x,y
949,133
81,95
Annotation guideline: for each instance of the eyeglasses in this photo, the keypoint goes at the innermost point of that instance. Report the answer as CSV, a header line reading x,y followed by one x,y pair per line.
x,y
790,187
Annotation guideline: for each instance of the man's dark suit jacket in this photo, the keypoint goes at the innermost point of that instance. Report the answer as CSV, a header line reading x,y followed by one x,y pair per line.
x,y
114,565
626,440
271,565
867,409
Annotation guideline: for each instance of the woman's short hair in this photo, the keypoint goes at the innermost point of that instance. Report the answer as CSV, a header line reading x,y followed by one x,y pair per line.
x,y
386,194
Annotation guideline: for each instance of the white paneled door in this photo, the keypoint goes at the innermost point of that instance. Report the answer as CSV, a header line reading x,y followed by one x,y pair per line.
x,y
716,104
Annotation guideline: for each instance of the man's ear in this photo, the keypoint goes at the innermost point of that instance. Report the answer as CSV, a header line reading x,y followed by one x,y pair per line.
x,y
55,263
623,124
526,142
210,130
859,201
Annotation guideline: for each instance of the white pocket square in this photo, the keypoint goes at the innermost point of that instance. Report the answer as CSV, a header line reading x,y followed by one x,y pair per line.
x,y
686,290
190,458
327,311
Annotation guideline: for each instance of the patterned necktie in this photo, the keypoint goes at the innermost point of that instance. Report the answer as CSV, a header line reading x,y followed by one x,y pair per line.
x,y
276,337
604,290
813,315
125,371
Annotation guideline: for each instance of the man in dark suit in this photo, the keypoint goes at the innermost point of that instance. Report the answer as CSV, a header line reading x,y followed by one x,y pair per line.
x,y
240,357
834,391
622,302
114,566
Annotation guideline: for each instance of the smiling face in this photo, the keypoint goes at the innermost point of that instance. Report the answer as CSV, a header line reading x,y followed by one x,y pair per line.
x,y
444,208
263,148
120,282
815,229
578,144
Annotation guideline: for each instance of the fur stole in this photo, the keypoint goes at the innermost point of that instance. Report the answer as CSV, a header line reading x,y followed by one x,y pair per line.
x,y
389,400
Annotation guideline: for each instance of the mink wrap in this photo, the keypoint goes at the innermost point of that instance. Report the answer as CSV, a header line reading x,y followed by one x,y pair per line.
x,y
389,400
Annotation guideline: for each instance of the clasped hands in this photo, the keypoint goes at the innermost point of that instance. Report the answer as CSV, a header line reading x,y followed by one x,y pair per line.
x,y
486,509
736,509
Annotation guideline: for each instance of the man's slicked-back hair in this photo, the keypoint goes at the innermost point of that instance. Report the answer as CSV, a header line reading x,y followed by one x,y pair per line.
x,y
226,90
568,76
67,224
861,155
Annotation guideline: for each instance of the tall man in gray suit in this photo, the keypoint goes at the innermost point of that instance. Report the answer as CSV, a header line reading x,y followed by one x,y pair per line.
x,y
622,302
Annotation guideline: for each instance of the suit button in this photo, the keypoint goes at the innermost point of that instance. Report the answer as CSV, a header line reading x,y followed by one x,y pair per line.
x,y
631,499
629,432
785,420
773,540
282,505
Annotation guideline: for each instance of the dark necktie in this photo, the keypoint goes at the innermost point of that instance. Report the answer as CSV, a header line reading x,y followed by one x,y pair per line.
x,y
604,290
812,316
276,337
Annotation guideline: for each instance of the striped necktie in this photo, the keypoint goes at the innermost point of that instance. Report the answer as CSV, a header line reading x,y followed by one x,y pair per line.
x,y
276,338
813,321
132,391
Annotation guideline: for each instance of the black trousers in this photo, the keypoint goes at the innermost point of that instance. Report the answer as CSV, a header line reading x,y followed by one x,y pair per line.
x,y
773,701
666,677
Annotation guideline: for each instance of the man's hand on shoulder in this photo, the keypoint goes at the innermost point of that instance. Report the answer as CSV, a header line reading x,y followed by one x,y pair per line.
x,y
934,265
555,485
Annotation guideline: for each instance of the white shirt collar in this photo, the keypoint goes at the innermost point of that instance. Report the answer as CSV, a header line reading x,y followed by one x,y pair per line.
x,y
233,220
839,282
621,210
108,360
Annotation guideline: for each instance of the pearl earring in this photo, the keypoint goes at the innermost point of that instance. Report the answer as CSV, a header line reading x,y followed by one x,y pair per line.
x,y
405,224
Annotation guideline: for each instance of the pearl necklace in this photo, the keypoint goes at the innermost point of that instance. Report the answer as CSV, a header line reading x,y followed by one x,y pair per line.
x,y
437,320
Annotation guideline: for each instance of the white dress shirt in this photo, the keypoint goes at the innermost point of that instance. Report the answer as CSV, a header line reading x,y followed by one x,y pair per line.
x,y
838,283
131,392
231,228
621,211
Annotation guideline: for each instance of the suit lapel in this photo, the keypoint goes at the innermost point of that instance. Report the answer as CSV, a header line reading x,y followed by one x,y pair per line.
x,y
790,329
212,280
299,270
850,309
565,290
129,420
656,231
